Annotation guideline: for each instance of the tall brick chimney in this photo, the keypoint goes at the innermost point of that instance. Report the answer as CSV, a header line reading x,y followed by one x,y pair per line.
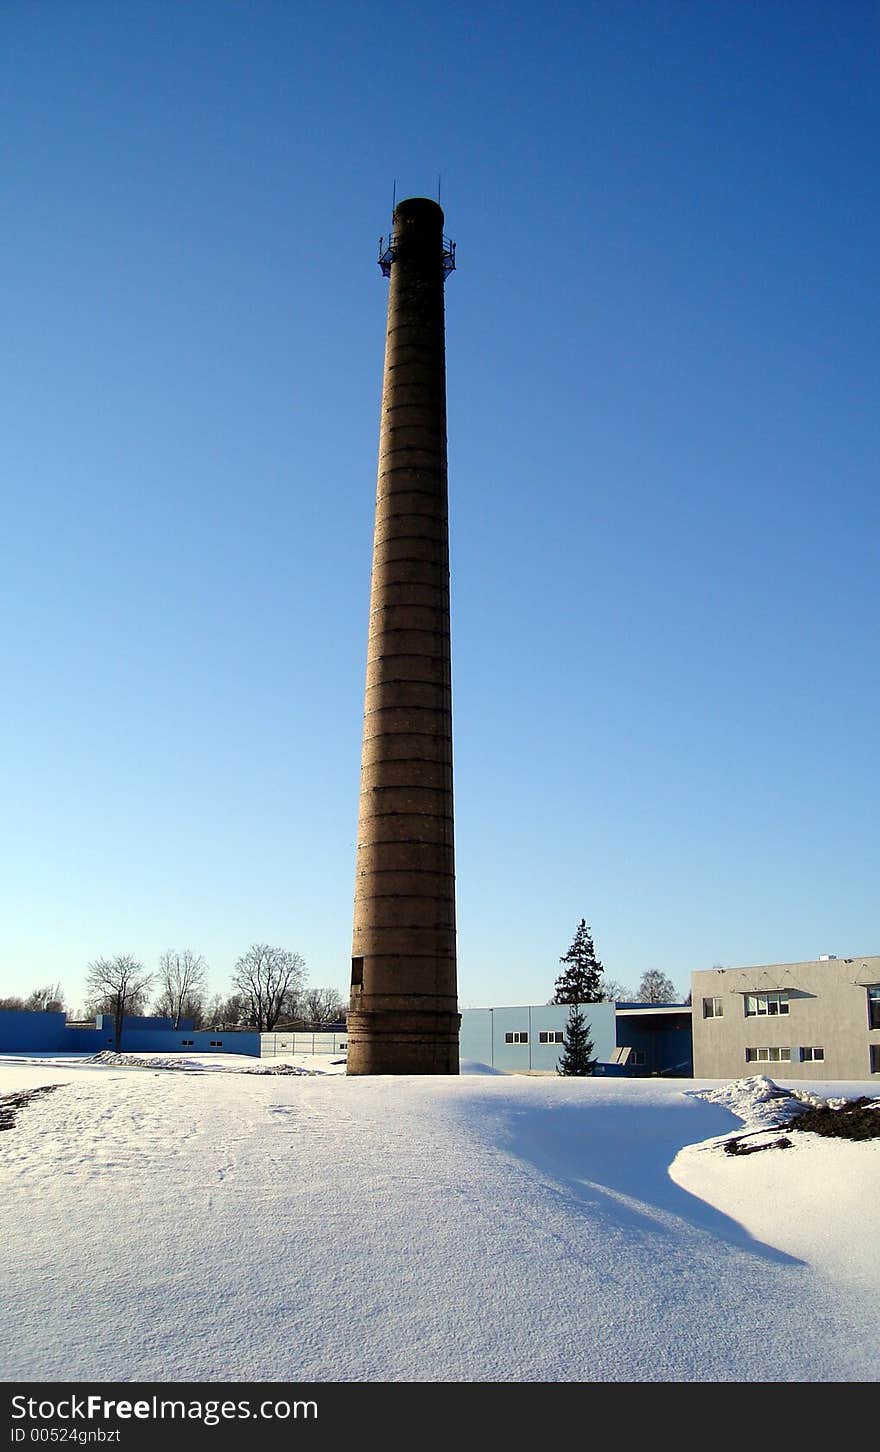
x,y
404,1012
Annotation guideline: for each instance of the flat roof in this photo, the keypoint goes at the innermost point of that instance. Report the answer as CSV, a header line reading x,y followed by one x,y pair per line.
x,y
531,1007
796,963
635,1008
618,1007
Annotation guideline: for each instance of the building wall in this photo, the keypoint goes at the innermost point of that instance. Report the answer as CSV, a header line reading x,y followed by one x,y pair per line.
x,y
139,1035
89,1040
192,1041
484,1030
828,1008
35,1033
664,1040
47,1033
475,1036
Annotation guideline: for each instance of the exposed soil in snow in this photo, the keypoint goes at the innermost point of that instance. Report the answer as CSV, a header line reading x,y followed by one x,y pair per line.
x,y
758,1101
855,1119
10,1104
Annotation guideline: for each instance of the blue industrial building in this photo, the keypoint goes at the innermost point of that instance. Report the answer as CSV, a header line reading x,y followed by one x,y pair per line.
x,y
36,1033
632,1039
529,1039
628,1039
50,1033
655,1038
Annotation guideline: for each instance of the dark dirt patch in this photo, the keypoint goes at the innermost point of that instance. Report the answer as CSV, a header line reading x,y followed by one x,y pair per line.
x,y
857,1119
736,1146
10,1104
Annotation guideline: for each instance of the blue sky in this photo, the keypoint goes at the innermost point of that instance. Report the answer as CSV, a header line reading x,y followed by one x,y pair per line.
x,y
662,344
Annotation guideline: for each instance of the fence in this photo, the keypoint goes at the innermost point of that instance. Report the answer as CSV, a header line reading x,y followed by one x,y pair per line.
x,y
326,1042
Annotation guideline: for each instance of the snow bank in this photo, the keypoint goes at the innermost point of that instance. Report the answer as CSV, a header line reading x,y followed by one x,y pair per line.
x,y
139,1061
227,1063
279,1069
815,1200
760,1103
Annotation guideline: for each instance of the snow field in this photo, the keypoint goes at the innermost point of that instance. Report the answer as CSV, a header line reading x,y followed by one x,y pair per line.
x,y
228,1225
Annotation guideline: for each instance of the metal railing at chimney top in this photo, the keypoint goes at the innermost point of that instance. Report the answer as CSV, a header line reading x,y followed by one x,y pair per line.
x,y
386,254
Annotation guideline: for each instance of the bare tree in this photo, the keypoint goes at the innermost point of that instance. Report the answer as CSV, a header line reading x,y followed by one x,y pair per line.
x,y
118,986
182,985
655,987
46,1000
269,980
42,1000
226,1013
194,1012
614,992
322,1005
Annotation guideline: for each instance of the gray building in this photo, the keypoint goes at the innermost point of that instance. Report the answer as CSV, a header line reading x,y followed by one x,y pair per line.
x,y
813,1020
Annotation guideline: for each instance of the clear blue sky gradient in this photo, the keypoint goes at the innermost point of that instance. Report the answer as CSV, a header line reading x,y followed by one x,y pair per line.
x,y
662,364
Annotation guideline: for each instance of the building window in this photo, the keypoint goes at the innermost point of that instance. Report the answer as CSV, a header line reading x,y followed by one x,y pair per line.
x,y
216,1044
552,1036
874,1006
357,972
768,1056
187,1043
713,1008
875,1058
812,1056
516,1038
765,1003
637,1058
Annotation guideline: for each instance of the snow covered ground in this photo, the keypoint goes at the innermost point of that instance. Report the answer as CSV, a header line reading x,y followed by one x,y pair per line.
x,y
219,1223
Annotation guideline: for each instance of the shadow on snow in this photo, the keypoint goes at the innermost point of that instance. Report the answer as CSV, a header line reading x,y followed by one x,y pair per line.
x,y
614,1159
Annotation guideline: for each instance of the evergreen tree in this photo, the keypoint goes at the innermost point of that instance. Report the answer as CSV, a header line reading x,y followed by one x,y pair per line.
x,y
582,980
577,1047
